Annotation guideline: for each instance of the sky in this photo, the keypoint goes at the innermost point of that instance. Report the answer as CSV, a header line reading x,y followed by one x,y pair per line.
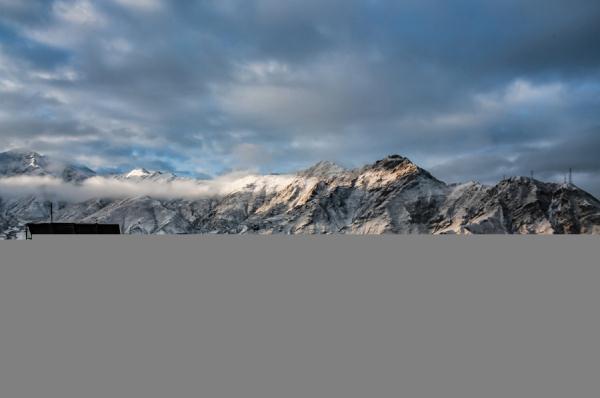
x,y
468,89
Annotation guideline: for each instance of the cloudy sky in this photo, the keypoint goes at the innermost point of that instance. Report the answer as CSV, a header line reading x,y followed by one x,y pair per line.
x,y
469,89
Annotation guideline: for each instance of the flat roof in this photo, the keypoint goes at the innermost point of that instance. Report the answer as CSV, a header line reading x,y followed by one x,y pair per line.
x,y
73,228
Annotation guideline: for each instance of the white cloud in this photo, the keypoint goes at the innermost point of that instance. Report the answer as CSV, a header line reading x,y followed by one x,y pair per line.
x,y
107,187
521,92
274,104
251,155
264,72
73,24
81,12
141,5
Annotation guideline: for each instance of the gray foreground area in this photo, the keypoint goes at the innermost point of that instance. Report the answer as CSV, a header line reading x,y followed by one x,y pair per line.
x,y
345,316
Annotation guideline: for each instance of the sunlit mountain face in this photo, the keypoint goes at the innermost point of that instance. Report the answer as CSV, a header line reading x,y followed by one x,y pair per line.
x,y
469,89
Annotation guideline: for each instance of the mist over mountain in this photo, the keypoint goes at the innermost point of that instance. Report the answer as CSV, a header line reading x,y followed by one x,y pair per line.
x,y
391,196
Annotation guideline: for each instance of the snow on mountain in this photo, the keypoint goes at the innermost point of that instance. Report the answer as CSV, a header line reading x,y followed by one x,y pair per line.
x,y
13,163
323,169
141,174
390,196
26,163
138,173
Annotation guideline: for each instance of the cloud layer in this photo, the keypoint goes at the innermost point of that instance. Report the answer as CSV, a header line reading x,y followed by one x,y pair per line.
x,y
52,188
470,89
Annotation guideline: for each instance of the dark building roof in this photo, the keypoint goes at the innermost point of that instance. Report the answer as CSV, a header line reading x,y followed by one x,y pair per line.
x,y
73,228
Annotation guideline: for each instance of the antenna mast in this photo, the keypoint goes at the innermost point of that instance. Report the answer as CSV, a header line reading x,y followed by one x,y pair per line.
x,y
570,176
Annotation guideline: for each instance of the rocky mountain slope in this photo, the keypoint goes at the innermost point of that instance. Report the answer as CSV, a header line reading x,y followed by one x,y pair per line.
x,y
391,196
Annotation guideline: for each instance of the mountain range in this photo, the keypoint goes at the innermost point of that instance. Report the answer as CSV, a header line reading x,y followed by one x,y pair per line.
x,y
390,196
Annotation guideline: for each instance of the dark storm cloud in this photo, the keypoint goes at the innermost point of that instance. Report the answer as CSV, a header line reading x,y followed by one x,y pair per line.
x,y
577,152
471,89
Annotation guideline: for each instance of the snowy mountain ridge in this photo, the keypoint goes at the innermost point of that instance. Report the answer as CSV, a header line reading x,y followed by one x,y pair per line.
x,y
141,174
19,163
390,196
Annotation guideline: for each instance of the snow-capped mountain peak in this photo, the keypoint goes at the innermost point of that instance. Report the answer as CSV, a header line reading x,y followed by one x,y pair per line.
x,y
28,163
13,163
142,174
138,173
33,159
